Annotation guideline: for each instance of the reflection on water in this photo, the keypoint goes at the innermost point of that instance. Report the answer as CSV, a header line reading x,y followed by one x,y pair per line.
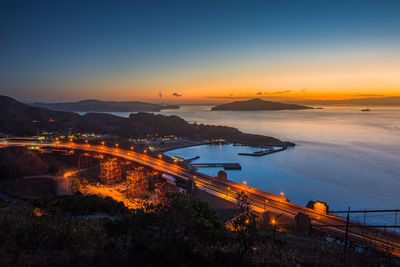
x,y
344,156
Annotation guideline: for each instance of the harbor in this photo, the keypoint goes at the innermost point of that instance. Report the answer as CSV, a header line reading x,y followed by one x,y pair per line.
x,y
263,152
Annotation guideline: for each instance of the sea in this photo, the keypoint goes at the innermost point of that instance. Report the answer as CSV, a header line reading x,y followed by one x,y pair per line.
x,y
343,156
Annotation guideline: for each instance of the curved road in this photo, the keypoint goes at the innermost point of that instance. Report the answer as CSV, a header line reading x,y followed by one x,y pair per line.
x,y
228,190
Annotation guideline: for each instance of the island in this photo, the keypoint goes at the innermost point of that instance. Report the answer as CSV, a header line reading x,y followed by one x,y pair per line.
x,y
19,119
258,104
105,106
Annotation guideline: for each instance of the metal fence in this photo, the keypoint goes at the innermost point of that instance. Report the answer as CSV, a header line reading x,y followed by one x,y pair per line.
x,y
374,228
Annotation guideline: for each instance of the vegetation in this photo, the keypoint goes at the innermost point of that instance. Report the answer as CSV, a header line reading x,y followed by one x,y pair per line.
x,y
19,162
20,119
182,232
78,204
258,104
105,106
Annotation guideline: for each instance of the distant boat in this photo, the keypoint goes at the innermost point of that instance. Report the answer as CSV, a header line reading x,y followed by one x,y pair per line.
x,y
367,109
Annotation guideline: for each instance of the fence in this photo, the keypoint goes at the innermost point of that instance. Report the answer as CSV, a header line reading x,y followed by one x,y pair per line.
x,y
375,228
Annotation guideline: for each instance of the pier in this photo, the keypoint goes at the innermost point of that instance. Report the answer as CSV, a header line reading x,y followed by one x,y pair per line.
x,y
226,166
262,152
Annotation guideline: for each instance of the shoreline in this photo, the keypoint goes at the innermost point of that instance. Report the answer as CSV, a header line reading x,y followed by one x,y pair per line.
x,y
179,146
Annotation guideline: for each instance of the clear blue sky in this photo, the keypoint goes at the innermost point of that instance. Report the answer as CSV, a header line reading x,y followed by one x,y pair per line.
x,y
65,50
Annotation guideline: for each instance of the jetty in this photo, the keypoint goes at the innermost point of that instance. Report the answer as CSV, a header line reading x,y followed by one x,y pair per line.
x,y
262,152
226,166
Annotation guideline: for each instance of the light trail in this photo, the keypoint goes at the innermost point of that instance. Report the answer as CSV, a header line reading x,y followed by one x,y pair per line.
x,y
228,190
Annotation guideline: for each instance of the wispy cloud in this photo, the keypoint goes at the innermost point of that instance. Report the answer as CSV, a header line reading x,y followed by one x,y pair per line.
x,y
370,95
280,92
176,94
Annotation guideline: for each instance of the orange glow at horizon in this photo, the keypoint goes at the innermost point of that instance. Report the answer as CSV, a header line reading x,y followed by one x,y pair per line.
x,y
337,75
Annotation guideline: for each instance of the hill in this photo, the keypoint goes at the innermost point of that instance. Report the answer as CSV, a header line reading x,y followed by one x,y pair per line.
x,y
105,106
258,104
20,119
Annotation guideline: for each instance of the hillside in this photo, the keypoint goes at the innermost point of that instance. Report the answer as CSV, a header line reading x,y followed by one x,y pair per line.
x,y
20,119
258,104
105,106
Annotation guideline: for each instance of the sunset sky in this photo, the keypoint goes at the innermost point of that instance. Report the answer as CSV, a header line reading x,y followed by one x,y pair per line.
x,y
199,51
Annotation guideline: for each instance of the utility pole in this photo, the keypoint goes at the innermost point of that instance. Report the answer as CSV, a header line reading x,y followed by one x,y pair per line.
x,y
274,222
347,232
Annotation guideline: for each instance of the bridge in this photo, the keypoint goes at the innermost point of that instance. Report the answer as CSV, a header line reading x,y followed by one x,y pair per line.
x,y
261,201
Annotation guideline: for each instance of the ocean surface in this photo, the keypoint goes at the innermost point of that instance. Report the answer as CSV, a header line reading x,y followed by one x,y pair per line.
x,y
343,156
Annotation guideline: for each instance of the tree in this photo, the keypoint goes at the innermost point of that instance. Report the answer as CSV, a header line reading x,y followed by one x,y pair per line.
x,y
247,218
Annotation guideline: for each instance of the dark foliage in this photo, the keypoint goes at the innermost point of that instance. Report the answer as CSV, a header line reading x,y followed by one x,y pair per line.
x,y
19,161
78,204
183,232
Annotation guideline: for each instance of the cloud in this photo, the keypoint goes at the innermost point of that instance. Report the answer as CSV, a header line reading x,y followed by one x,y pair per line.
x,y
303,90
176,94
259,93
160,94
227,97
281,92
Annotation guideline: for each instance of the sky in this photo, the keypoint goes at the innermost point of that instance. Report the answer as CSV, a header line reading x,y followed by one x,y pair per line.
x,y
199,51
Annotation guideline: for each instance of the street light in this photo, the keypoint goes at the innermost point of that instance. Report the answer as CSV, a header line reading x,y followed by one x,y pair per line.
x,y
227,191
102,143
265,205
274,224
116,145
282,194
160,156
131,147
245,182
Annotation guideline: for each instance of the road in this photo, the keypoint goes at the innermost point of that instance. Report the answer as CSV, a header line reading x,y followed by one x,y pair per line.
x,y
260,200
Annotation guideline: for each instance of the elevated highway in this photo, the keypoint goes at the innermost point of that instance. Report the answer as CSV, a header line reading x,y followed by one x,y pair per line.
x,y
260,200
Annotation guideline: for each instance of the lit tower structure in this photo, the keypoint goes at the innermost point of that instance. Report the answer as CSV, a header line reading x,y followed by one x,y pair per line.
x,y
110,171
137,183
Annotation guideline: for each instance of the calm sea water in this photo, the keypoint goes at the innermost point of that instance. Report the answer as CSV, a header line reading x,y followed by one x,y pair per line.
x,y
343,156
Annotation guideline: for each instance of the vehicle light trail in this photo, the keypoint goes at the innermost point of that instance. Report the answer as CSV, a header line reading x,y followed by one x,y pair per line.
x,y
228,190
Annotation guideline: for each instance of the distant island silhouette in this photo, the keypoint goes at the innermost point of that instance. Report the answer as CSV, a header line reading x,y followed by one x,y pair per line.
x,y
258,104
94,105
19,119
365,101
